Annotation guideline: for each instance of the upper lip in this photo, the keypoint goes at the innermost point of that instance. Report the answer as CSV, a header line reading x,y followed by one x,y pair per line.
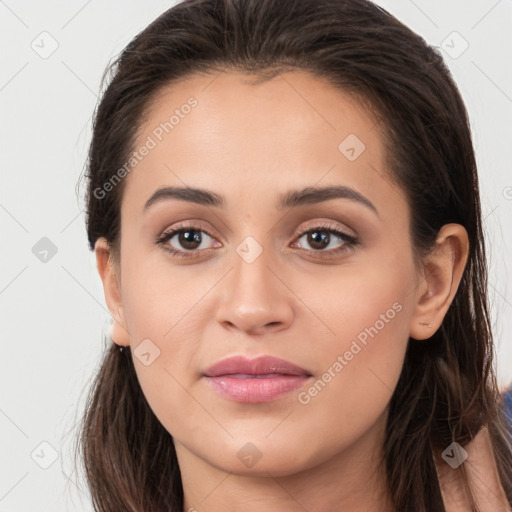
x,y
262,365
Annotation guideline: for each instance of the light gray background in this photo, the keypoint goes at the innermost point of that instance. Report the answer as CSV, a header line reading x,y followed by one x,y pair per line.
x,y
53,314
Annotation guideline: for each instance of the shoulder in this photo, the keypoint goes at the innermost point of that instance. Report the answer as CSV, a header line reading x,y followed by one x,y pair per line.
x,y
482,473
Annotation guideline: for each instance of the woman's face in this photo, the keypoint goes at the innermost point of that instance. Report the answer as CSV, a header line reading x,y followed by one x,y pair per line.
x,y
246,281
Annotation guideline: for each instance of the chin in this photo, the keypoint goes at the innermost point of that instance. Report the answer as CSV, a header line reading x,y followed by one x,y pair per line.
x,y
261,457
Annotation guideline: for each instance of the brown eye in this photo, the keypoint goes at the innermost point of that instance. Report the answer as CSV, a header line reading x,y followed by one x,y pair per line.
x,y
319,239
327,240
185,241
189,238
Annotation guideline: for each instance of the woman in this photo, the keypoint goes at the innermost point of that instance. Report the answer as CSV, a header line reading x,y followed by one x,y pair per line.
x,y
283,203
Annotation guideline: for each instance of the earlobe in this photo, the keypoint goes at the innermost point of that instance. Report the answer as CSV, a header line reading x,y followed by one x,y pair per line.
x,y
442,272
110,279
119,334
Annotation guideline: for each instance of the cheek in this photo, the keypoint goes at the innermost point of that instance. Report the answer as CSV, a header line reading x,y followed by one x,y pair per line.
x,y
160,301
369,313
164,311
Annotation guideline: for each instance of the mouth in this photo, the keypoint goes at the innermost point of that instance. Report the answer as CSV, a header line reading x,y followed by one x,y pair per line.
x,y
262,379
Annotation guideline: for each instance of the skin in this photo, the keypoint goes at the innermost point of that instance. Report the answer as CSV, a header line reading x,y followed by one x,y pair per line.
x,y
252,143
482,474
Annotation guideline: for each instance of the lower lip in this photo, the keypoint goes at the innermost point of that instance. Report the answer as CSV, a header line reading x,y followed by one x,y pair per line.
x,y
252,390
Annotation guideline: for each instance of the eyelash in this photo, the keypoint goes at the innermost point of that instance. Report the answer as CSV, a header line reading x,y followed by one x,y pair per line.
x,y
350,242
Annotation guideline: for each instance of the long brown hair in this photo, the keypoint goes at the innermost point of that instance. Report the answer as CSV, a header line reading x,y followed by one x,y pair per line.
x,y
447,389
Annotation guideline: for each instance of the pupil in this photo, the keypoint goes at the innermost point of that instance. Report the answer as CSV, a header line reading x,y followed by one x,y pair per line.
x,y
319,240
185,238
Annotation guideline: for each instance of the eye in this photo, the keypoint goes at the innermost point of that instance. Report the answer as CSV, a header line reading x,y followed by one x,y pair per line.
x,y
189,240
325,236
185,241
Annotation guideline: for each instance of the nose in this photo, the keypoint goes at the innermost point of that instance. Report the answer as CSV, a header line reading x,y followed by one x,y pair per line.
x,y
255,298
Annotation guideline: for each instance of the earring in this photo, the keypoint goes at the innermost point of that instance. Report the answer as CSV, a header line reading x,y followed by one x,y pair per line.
x,y
426,323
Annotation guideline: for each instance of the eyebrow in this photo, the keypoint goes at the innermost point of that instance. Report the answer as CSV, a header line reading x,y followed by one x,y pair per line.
x,y
292,199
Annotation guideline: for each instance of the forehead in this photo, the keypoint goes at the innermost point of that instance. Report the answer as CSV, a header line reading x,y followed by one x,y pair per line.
x,y
291,108
221,130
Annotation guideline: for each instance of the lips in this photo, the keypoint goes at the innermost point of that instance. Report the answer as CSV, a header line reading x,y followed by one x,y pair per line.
x,y
262,379
261,367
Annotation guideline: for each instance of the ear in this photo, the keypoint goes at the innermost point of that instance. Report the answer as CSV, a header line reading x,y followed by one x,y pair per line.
x,y
442,271
111,287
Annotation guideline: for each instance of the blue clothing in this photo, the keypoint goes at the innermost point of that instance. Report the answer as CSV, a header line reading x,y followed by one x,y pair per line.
x,y
507,395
